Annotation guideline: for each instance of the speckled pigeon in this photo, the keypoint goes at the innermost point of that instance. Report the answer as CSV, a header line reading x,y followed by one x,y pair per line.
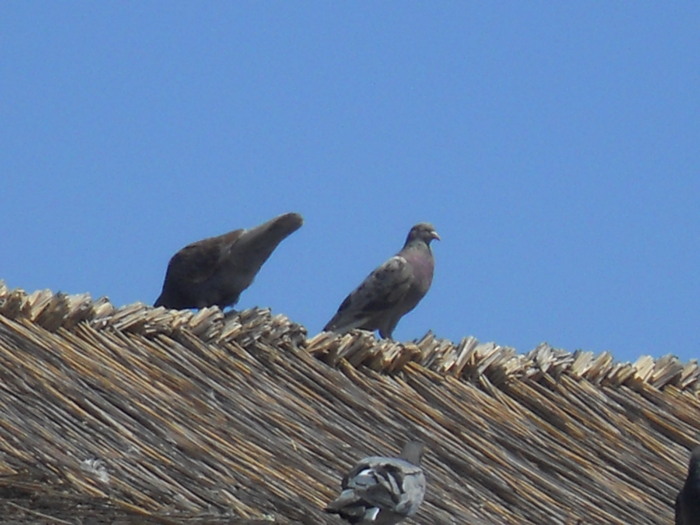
x,y
392,290
216,270
381,490
688,499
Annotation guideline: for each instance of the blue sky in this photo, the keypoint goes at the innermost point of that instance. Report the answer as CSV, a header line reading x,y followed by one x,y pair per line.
x,y
554,145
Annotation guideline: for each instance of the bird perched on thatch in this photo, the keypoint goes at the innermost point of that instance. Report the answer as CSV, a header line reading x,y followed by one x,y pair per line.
x,y
392,290
214,271
688,499
382,490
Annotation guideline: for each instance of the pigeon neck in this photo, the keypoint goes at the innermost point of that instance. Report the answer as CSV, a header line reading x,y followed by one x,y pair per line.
x,y
416,244
412,452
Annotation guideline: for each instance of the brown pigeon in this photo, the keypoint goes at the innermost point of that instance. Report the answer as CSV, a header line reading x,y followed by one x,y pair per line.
x,y
214,271
688,499
381,490
392,290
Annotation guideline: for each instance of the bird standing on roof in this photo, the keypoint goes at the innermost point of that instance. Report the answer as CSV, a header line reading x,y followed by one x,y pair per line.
x,y
382,490
214,271
688,499
392,290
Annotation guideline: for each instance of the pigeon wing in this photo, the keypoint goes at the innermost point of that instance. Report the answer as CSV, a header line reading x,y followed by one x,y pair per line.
x,y
378,295
191,268
382,489
200,260
387,483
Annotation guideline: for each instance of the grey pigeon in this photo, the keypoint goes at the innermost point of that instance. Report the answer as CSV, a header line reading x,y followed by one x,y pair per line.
x,y
381,490
688,499
392,290
214,271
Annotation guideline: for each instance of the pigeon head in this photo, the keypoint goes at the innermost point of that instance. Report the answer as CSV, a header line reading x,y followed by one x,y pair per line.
x,y
423,231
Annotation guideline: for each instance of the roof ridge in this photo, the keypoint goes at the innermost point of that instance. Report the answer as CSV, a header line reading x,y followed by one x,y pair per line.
x,y
468,359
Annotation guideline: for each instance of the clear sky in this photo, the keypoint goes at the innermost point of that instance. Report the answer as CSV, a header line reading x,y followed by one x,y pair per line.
x,y
554,145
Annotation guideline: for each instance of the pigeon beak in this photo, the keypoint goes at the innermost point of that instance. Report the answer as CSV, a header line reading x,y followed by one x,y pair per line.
x,y
435,235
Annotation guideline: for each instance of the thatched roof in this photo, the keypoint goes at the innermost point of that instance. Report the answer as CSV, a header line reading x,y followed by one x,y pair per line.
x,y
136,415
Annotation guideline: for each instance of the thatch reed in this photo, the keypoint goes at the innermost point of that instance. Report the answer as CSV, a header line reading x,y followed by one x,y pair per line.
x,y
147,415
